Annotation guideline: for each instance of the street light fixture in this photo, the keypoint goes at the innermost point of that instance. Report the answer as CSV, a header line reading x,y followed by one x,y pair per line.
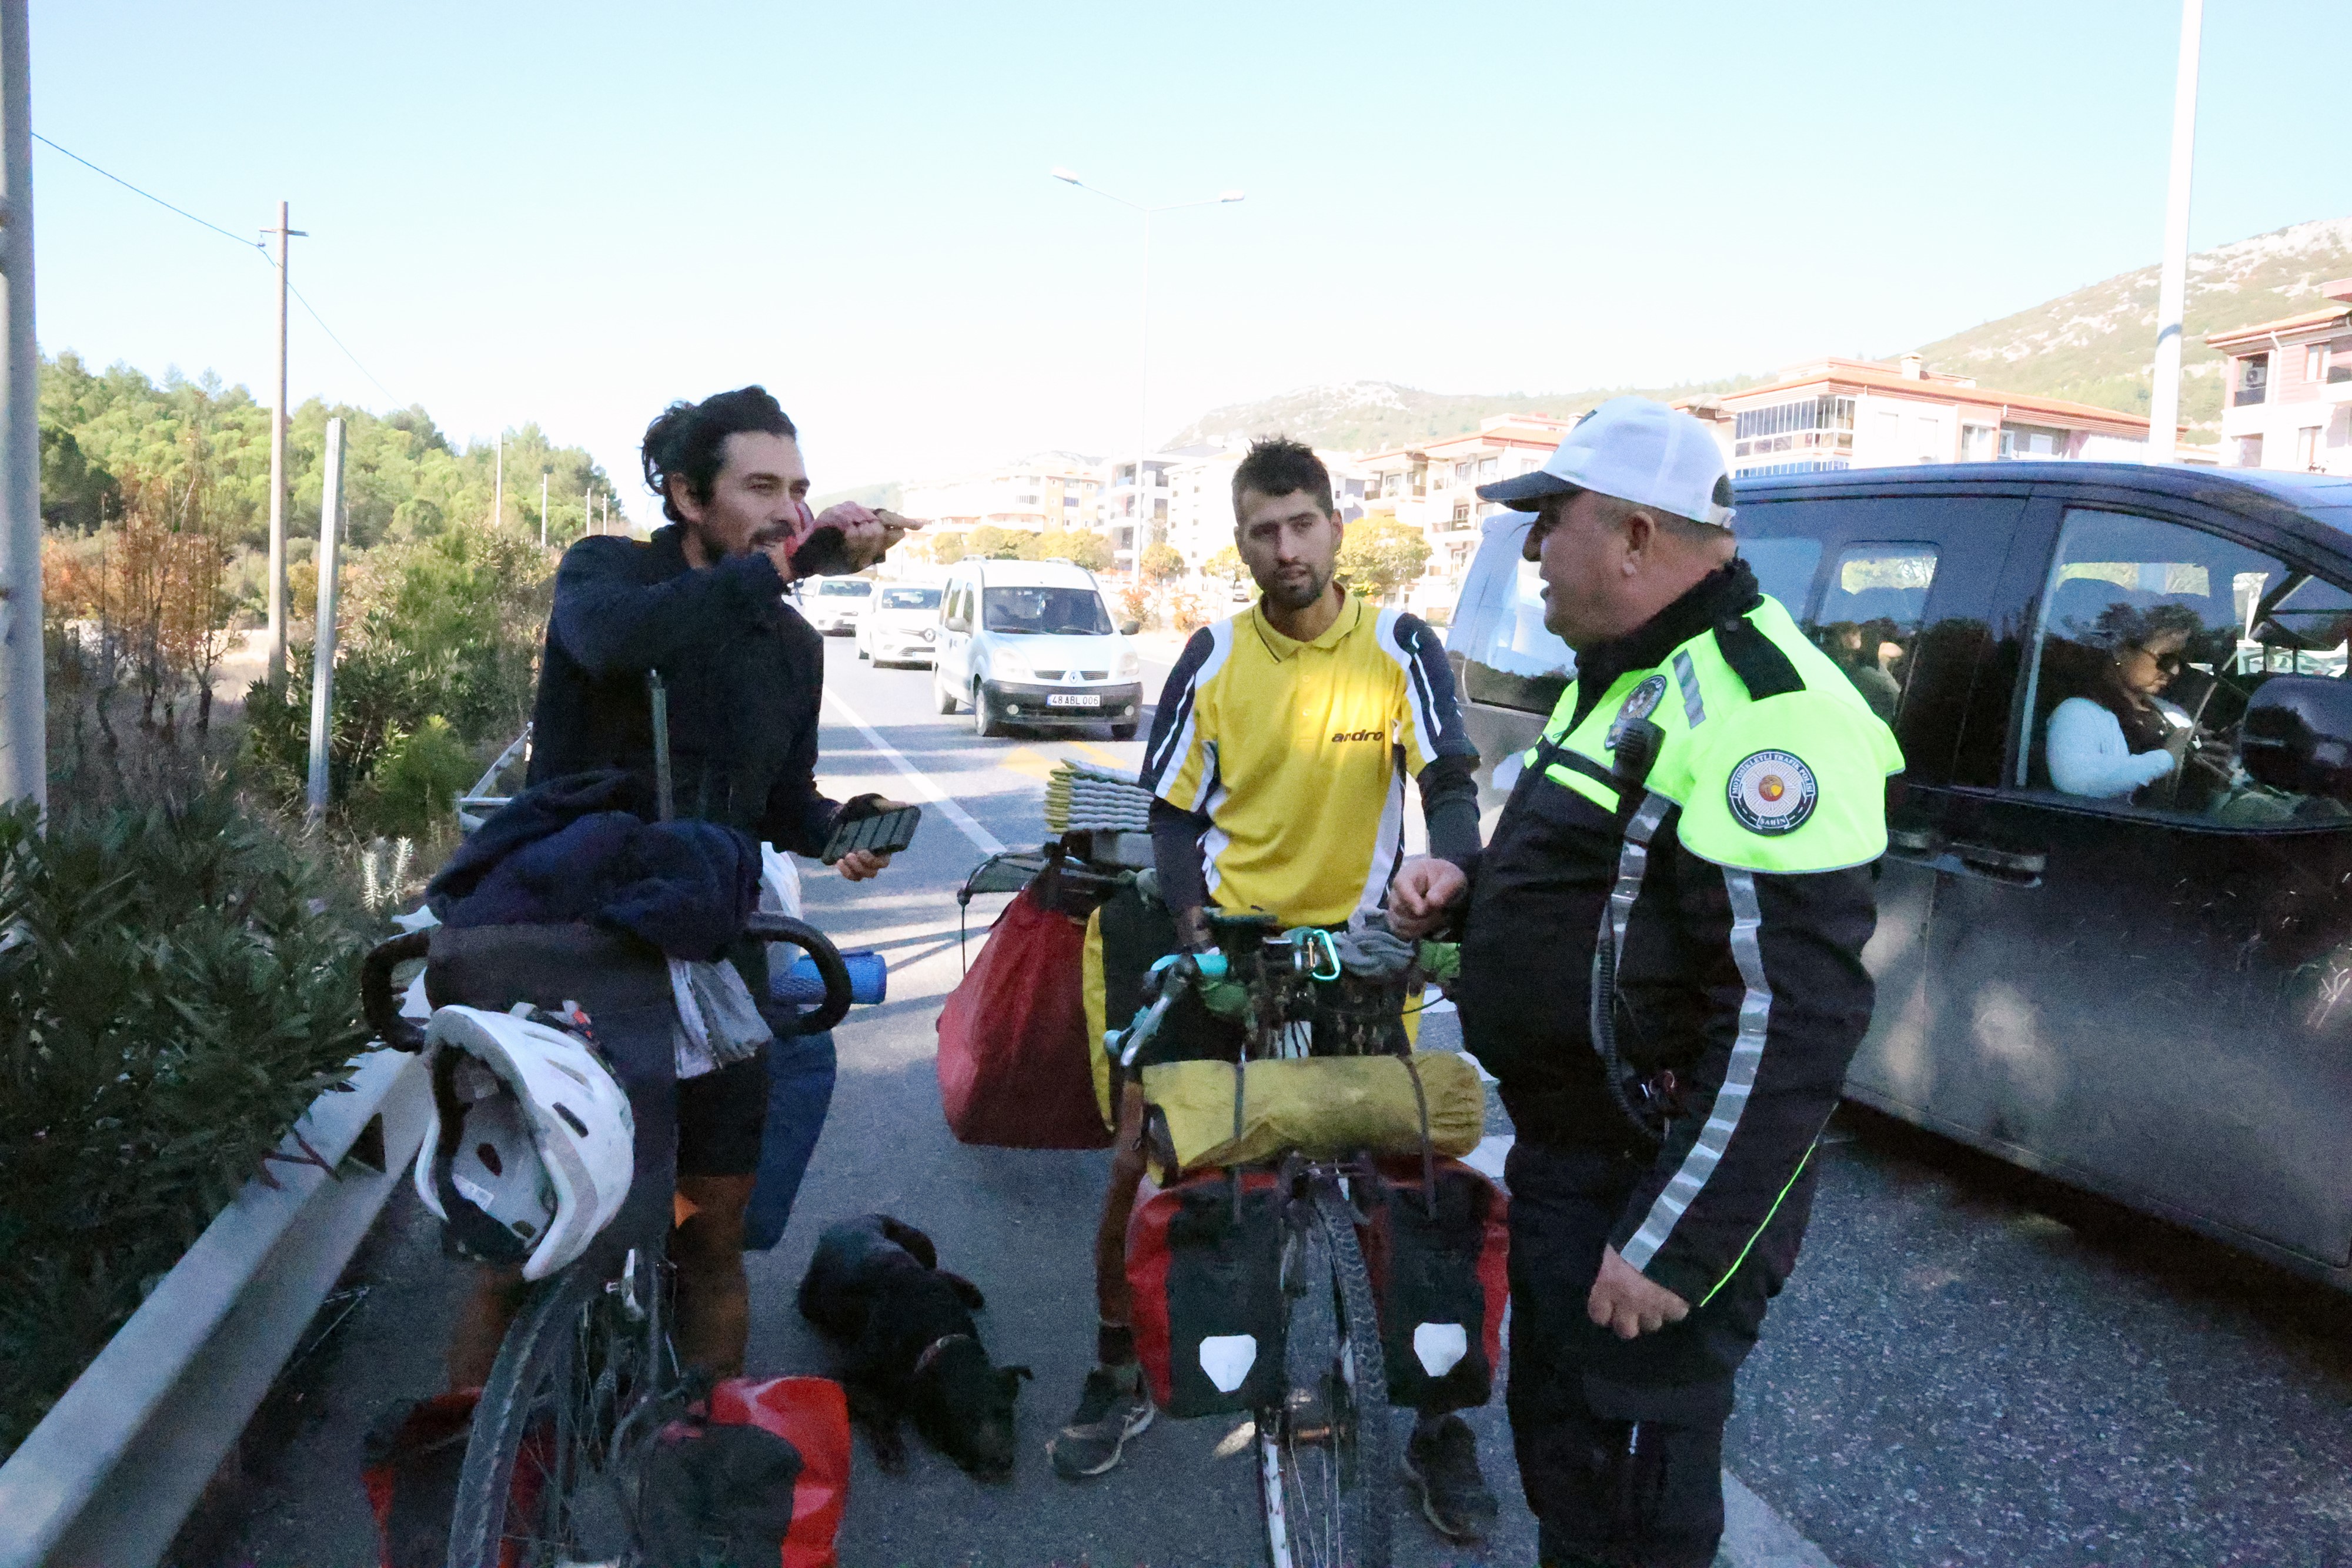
x,y
1143,394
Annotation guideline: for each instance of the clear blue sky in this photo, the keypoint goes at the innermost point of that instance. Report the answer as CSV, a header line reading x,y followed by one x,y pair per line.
x,y
576,213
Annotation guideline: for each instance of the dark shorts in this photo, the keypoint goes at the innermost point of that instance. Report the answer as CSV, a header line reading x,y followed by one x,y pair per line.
x,y
721,1117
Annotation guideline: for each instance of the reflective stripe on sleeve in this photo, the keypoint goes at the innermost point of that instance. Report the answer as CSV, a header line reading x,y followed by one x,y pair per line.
x,y
1739,1078
1686,678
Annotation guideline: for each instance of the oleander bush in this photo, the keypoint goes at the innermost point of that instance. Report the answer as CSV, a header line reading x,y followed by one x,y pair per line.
x,y
177,982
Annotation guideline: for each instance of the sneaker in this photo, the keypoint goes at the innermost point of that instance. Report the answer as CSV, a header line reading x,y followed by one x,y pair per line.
x,y
1441,1462
1113,1408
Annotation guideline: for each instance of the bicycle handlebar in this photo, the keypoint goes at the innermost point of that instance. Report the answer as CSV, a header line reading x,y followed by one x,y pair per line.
x,y
769,927
381,1004
376,998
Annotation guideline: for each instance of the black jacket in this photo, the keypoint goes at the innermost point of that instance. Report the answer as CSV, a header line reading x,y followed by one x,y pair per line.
x,y
1703,985
744,675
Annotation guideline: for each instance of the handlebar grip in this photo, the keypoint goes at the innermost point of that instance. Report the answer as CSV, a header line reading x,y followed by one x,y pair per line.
x,y
771,927
376,998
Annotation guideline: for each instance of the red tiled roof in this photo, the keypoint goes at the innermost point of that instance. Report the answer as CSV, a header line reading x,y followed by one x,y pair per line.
x,y
1878,379
2239,336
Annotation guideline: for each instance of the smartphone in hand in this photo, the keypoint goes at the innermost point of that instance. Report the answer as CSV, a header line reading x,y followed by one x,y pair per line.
x,y
883,833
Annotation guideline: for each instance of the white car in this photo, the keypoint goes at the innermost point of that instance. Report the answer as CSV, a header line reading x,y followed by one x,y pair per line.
x,y
836,603
902,627
1031,643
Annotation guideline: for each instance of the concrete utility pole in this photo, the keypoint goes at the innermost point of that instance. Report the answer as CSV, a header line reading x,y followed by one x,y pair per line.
x,y
588,511
24,722
2172,293
544,471
498,490
278,414
323,666
608,514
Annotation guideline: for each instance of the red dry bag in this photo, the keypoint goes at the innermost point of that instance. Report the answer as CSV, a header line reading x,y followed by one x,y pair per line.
x,y
811,1413
1013,1071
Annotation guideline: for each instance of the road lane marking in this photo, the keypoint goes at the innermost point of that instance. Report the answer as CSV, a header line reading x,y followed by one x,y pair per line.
x,y
1102,754
984,841
1031,761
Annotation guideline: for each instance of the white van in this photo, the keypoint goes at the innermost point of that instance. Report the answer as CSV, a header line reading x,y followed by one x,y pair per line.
x,y
1033,642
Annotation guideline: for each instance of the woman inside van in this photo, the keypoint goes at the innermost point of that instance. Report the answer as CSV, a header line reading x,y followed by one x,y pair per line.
x,y
2114,740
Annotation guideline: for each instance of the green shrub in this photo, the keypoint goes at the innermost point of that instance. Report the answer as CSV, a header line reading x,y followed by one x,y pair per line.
x,y
177,984
409,794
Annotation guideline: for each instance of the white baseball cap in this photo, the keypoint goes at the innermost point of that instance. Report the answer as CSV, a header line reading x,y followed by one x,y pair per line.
x,y
1637,450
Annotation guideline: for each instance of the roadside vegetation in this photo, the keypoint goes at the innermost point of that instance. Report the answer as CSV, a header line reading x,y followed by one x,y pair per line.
x,y
178,949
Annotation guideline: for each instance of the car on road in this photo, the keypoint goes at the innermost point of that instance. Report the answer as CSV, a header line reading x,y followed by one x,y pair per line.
x,y
835,604
2148,995
1033,642
902,627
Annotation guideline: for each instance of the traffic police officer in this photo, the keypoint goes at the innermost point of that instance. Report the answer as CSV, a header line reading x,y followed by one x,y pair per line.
x,y
1661,964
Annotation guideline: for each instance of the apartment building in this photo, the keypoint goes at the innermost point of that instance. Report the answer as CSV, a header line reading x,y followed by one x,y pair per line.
x,y
1860,413
1050,490
1201,499
1432,486
2286,396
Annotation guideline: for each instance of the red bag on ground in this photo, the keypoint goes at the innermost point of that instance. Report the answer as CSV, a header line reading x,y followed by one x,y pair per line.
x,y
1208,1307
1440,1282
811,1413
413,1456
1013,1069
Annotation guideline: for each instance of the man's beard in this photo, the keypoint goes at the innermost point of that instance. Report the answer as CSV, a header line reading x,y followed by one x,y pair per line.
x,y
1296,593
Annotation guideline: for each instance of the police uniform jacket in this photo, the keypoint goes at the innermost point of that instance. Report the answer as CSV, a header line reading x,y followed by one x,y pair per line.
x,y
1736,896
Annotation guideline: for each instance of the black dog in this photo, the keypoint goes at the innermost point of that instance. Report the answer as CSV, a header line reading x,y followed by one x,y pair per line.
x,y
876,1287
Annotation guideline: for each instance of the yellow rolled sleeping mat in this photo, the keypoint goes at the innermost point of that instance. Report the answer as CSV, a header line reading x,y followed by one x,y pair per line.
x,y
1321,1106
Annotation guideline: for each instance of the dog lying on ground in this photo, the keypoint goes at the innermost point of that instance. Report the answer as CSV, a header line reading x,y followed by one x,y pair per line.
x,y
909,1346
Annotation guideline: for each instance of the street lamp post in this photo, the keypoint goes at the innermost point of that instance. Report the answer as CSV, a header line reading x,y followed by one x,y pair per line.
x,y
1143,395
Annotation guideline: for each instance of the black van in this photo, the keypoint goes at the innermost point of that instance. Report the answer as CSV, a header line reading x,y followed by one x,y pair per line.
x,y
2140,985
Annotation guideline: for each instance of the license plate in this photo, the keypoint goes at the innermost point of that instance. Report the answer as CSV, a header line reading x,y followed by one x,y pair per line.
x,y
1072,699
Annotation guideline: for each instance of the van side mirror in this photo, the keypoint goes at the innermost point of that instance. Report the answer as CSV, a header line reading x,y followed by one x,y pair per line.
x,y
2298,735
1129,627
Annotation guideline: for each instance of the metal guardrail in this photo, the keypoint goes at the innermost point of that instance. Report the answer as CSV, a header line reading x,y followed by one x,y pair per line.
x,y
107,1478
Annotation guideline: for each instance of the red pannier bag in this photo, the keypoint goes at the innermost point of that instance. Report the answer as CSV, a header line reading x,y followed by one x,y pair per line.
x,y
413,1458
1440,1284
1013,1069
811,1413
1207,1287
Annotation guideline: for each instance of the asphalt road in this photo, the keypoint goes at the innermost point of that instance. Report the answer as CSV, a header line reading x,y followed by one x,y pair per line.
x,y
1971,1366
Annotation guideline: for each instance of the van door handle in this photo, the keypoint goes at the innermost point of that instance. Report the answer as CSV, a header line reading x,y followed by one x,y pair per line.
x,y
2001,863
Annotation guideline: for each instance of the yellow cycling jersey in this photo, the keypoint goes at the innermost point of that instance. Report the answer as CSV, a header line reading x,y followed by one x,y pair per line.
x,y
1298,755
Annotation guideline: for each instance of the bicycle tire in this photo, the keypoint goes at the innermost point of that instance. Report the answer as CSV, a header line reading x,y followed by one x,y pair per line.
x,y
577,1387
1326,1460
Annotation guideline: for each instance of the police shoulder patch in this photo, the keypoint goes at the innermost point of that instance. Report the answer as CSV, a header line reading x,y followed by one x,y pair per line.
x,y
1771,792
1640,704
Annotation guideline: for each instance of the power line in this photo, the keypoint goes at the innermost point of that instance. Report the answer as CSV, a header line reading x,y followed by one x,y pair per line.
x,y
256,245
252,244
338,342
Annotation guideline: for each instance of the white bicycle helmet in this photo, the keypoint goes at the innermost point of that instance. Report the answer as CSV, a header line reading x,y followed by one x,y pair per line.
x,y
529,1146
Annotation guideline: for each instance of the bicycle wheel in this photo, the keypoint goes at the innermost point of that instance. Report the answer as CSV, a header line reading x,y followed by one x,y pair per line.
x,y
1325,1459
584,1377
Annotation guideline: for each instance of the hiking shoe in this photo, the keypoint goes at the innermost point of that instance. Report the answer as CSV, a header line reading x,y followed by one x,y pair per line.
x,y
1441,1464
1113,1408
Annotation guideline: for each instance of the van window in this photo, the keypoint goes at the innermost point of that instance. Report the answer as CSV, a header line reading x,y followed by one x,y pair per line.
x,y
1044,611
910,599
2152,637
843,588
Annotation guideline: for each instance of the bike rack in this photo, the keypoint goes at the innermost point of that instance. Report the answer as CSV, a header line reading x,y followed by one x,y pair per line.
x,y
110,1473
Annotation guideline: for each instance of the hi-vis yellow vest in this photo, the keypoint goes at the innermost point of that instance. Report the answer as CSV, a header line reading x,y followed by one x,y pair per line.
x,y
1788,781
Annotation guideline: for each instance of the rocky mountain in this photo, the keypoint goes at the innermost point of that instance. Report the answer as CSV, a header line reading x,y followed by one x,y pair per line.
x,y
1377,416
2094,345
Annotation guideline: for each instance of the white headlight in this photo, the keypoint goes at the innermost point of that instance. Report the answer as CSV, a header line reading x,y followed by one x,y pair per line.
x,y
1009,668
1130,665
